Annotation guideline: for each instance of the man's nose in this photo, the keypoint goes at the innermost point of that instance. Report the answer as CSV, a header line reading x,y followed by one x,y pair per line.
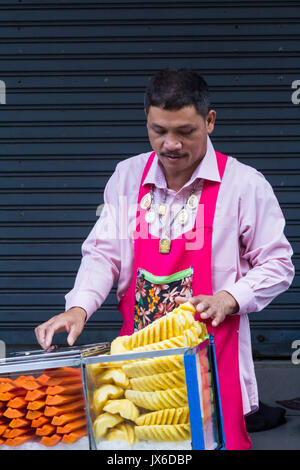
x,y
172,143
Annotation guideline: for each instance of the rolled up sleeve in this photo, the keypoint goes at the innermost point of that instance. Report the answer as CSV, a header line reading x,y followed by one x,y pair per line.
x,y
264,246
100,263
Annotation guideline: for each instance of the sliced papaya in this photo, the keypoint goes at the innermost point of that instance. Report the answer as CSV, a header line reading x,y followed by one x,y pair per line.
x,y
33,414
59,410
70,427
63,371
16,441
18,392
15,432
64,380
14,413
18,402
67,418
3,428
45,430
35,405
43,379
7,386
28,382
38,422
74,435
62,399
37,394
67,389
50,441
19,423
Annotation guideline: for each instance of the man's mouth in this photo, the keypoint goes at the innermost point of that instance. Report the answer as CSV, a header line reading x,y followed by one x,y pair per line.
x,y
173,157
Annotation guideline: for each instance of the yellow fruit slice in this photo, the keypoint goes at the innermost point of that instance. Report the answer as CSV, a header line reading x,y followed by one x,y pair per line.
x,y
113,376
105,421
167,416
161,433
123,407
124,432
104,393
171,398
153,365
163,381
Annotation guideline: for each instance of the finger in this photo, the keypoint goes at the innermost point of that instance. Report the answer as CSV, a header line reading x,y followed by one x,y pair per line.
x,y
202,305
40,334
217,320
192,300
182,300
49,336
73,334
53,326
208,313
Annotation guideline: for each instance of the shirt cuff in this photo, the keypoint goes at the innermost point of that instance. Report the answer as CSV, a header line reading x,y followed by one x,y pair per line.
x,y
244,296
83,301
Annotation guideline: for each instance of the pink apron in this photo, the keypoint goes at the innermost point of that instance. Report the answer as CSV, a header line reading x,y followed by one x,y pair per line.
x,y
148,258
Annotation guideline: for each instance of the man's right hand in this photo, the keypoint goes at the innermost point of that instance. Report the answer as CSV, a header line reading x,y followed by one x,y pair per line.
x,y
72,321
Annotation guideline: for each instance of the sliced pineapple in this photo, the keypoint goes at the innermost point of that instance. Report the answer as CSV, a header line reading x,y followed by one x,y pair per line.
x,y
123,407
104,393
105,421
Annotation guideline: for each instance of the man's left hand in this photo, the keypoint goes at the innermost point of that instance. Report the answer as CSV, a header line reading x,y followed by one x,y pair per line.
x,y
215,306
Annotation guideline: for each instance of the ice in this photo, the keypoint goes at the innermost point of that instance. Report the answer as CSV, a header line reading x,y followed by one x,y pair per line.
x,y
81,444
143,445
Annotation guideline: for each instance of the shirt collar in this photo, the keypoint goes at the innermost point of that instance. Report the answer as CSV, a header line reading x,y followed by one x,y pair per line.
x,y
207,169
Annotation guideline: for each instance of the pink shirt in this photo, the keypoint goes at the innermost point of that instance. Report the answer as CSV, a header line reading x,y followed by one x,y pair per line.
x,y
251,257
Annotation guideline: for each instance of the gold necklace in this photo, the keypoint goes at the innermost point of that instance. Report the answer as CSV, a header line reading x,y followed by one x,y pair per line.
x,y
183,215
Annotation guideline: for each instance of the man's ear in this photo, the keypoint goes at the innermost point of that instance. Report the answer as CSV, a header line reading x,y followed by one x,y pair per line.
x,y
210,120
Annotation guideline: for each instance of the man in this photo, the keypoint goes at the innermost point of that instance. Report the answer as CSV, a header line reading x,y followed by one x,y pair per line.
x,y
204,226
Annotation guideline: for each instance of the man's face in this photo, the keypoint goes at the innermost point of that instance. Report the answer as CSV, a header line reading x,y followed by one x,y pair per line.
x,y
179,138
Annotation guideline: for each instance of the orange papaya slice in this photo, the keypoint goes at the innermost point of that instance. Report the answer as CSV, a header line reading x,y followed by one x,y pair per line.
x,y
33,414
74,435
67,418
19,423
38,422
50,441
35,405
16,441
59,410
70,427
18,402
28,382
62,399
33,395
3,428
15,432
67,389
45,430
13,413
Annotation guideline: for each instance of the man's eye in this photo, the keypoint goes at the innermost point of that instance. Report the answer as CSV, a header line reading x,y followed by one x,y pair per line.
x,y
187,132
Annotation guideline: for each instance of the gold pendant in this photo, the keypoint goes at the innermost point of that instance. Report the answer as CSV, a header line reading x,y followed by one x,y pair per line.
x,y
146,201
164,245
162,209
183,217
192,202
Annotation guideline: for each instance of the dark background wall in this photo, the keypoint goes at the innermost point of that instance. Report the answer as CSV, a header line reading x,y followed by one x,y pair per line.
x,y
75,74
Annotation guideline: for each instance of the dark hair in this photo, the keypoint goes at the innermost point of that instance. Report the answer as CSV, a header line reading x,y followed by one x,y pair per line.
x,y
173,89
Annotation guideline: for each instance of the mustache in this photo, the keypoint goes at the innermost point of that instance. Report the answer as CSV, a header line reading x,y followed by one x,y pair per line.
x,y
172,154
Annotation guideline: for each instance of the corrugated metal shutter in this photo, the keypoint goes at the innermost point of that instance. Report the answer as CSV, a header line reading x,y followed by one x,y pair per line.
x,y
75,74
